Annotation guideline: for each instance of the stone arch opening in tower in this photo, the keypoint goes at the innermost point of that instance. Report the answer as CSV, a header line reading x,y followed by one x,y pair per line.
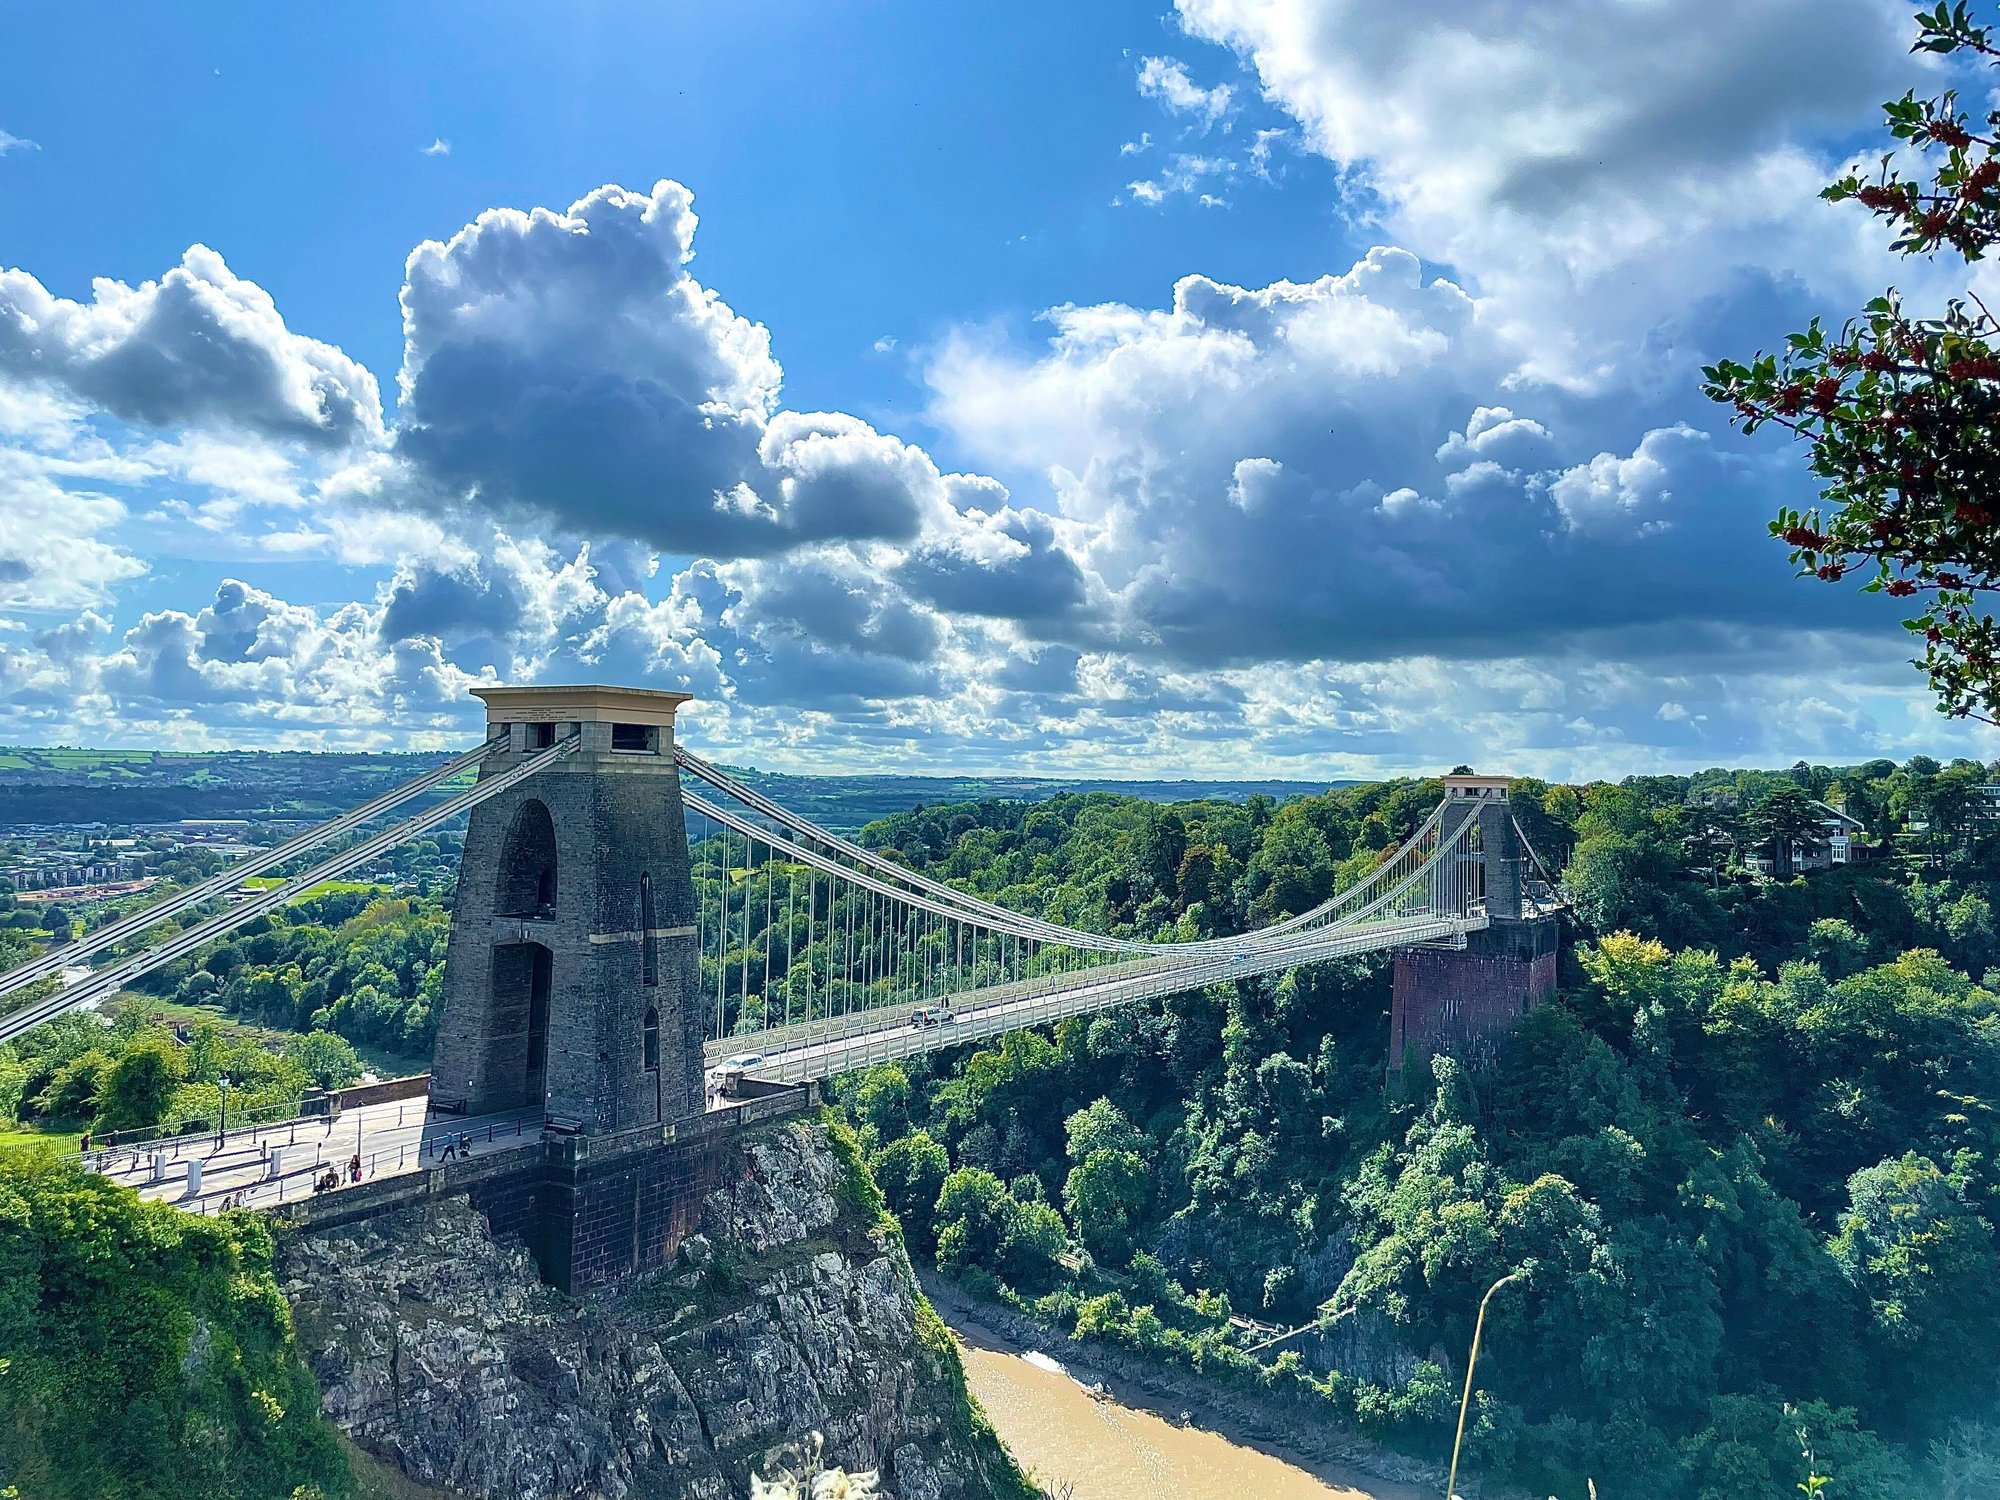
x,y
527,885
517,1061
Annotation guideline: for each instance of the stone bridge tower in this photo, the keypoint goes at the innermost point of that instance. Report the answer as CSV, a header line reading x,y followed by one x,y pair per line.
x,y
1459,1000
572,981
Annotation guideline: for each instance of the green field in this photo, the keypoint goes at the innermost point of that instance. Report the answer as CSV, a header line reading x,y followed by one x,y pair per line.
x,y
18,1141
324,888
78,760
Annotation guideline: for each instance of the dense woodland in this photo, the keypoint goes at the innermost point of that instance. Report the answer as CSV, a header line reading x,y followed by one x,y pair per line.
x,y
148,1353
1747,1159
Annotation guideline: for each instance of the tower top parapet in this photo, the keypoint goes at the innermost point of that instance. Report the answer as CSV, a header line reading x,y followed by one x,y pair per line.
x,y
1478,788
589,703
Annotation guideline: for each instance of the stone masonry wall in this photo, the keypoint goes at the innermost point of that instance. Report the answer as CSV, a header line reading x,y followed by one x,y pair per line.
x,y
441,1353
1459,1001
632,1213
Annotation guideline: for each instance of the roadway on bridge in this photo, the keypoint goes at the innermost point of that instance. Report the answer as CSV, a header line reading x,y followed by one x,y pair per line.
x,y
267,1165
885,1033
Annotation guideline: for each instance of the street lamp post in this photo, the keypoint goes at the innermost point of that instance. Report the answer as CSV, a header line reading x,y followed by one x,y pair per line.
x,y
222,1116
1471,1359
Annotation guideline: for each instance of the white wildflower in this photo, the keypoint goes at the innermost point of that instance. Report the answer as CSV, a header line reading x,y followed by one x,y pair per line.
x,y
838,1484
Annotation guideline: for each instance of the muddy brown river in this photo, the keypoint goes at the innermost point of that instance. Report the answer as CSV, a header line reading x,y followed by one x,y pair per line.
x,y
1109,1451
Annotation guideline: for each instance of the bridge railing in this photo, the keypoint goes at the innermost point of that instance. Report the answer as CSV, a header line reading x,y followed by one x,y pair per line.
x,y
1423,881
874,1017
1096,990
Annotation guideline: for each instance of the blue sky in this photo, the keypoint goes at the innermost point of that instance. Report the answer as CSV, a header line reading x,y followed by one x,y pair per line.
x,y
936,167
1282,386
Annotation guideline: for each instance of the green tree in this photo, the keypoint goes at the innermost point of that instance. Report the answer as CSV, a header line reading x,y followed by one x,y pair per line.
x,y
148,1352
1836,947
1712,838
1104,1195
1035,1237
329,1061
14,948
1927,1266
1788,824
1292,870
1101,1126
911,1172
974,1213
74,1091
881,1100
980,1224
137,1088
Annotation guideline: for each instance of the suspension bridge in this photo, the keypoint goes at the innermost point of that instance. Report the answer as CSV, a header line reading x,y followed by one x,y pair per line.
x,y
640,937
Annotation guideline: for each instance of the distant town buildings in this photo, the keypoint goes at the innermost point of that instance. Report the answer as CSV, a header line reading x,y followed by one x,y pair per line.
x,y
57,874
39,860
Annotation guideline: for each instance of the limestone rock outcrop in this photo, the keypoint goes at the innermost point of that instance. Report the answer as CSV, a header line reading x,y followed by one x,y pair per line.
x,y
440,1353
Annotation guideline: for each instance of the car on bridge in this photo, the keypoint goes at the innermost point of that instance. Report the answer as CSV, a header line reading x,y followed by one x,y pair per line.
x,y
931,1015
737,1064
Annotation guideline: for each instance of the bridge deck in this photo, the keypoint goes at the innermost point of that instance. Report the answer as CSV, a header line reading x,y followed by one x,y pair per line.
x,y
267,1165
820,1049
395,1138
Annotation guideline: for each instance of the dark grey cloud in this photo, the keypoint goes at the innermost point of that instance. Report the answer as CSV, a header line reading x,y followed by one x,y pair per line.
x,y
567,367
477,604
1325,472
1027,576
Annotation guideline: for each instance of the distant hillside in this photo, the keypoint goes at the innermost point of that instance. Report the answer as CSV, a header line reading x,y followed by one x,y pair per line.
x,y
845,803
66,785
40,785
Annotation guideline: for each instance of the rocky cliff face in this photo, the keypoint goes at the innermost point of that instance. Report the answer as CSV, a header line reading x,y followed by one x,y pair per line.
x,y
440,1353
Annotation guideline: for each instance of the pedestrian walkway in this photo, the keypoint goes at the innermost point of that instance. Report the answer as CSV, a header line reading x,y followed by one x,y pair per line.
x,y
266,1165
